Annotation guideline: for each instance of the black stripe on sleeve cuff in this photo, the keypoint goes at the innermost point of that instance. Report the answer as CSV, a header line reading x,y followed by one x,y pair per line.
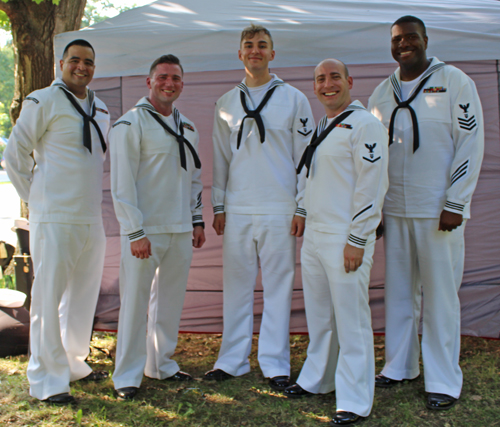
x,y
218,209
137,235
356,240
454,206
301,212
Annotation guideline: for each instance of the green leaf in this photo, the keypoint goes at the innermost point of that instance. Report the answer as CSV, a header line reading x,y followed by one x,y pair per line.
x,y
4,21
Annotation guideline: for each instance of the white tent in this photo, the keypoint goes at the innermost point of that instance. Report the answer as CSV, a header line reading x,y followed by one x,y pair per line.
x,y
205,36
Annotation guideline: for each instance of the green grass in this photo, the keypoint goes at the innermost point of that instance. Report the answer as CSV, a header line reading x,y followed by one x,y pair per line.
x,y
247,400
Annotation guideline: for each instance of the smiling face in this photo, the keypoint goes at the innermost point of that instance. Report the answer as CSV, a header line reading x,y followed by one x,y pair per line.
x,y
78,69
332,87
256,53
409,45
165,85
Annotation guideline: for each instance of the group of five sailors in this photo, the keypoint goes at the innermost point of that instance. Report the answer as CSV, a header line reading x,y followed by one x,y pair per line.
x,y
272,169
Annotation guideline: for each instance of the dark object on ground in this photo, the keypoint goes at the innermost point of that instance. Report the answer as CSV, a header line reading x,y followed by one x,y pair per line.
x,y
14,329
217,375
95,376
60,399
24,276
384,382
180,376
279,383
295,391
344,418
440,402
126,393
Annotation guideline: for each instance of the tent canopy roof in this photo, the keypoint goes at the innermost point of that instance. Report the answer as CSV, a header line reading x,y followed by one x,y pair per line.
x,y
205,34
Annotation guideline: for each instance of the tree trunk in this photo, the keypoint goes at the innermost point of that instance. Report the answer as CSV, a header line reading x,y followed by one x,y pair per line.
x,y
33,29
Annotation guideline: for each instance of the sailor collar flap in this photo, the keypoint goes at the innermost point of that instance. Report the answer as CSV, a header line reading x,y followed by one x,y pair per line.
x,y
90,92
145,105
395,78
322,125
398,98
320,135
178,134
87,118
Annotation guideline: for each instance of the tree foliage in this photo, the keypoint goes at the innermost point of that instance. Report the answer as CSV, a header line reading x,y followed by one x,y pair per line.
x,y
97,11
6,88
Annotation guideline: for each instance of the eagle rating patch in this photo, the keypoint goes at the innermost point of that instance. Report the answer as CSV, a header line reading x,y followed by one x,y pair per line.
x,y
437,89
101,110
466,122
304,130
188,126
371,156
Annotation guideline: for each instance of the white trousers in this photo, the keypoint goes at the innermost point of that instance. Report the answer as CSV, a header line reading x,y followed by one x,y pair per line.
x,y
68,260
421,259
340,354
248,239
158,282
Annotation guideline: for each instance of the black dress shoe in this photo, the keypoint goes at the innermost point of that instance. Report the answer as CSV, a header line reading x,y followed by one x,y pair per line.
x,y
217,375
180,376
279,383
440,401
95,376
344,418
295,391
60,399
126,393
384,382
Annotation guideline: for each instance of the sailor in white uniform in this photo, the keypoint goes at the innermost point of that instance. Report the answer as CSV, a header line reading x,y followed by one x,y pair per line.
x,y
261,128
346,184
436,137
64,126
156,188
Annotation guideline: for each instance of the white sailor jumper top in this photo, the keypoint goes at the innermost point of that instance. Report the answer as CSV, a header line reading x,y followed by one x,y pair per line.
x,y
260,178
442,173
66,183
348,177
152,193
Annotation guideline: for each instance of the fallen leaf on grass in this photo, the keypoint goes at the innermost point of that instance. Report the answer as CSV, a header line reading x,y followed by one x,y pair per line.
x,y
476,398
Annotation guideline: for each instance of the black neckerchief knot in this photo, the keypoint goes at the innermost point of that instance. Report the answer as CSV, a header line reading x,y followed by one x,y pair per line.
x,y
254,114
87,119
414,121
316,140
181,140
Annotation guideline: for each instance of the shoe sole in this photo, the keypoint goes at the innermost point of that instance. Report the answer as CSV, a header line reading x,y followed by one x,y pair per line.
x,y
394,384
435,408
360,420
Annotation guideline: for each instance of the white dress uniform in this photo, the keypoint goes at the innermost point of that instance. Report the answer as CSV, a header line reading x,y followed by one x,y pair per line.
x,y
344,195
67,241
256,185
153,196
439,173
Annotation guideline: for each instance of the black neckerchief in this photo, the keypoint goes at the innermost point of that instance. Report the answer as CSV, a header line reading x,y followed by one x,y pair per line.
x,y
406,104
87,119
316,140
181,140
255,114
